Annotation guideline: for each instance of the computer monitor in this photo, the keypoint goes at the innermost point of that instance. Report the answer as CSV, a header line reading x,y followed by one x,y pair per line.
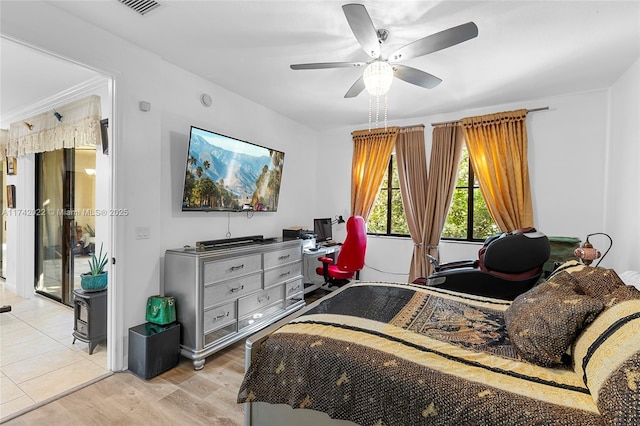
x,y
322,229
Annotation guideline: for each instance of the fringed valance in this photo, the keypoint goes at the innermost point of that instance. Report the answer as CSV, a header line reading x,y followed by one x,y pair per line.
x,y
68,126
4,139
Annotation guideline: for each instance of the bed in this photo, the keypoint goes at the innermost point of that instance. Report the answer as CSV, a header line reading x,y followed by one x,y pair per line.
x,y
567,352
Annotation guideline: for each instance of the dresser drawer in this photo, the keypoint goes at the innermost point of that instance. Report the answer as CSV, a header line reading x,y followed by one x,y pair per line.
x,y
217,293
295,300
222,270
219,334
281,257
256,301
293,288
281,274
220,316
261,315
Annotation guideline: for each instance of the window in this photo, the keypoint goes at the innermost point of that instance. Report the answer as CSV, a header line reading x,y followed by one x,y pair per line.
x,y
468,218
387,216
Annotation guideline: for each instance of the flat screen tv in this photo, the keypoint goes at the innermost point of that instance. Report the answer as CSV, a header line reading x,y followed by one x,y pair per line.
x,y
228,174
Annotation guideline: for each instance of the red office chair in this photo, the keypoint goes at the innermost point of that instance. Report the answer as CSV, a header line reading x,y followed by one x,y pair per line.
x,y
351,256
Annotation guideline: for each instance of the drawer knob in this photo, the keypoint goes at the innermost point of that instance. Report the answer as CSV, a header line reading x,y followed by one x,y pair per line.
x,y
283,257
236,268
293,289
284,274
262,299
237,289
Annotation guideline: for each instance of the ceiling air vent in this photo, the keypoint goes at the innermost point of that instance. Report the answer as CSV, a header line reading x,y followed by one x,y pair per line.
x,y
141,6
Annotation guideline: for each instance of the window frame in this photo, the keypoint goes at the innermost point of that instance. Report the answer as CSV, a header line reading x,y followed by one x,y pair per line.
x,y
470,188
389,197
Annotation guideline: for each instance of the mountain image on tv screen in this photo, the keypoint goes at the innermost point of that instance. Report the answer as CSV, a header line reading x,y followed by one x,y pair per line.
x,y
228,174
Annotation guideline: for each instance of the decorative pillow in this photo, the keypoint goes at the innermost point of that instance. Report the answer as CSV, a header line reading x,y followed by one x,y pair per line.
x,y
619,295
607,357
598,282
543,322
569,266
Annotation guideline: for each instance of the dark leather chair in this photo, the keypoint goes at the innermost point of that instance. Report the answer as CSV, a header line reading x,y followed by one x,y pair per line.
x,y
351,256
508,264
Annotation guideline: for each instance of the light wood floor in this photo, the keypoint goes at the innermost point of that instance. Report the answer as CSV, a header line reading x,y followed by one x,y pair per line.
x,y
178,397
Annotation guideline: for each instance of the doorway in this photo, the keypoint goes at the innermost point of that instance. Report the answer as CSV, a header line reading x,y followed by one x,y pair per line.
x,y
60,80
65,226
3,225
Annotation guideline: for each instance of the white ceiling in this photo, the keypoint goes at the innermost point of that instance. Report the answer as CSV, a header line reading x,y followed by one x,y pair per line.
x,y
524,50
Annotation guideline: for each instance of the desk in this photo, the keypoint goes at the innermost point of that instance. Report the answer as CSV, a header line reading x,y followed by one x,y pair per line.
x,y
313,281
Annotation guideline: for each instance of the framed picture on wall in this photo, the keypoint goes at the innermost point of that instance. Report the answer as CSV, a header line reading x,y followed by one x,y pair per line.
x,y
11,196
11,165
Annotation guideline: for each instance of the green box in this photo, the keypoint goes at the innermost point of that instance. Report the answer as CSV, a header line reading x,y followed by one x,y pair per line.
x,y
562,249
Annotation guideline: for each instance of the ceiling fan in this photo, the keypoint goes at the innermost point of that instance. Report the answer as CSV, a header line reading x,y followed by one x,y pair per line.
x,y
370,40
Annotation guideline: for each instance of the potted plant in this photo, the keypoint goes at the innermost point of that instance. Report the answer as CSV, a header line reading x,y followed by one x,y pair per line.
x,y
96,278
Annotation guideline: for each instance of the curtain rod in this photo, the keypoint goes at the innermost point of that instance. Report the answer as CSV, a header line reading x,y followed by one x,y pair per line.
x,y
458,121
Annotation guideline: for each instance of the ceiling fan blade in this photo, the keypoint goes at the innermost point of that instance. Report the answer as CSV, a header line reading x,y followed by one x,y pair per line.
x,y
415,76
356,88
435,42
362,27
323,65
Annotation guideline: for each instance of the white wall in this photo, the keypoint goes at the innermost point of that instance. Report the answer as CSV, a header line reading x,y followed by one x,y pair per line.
x,y
20,230
567,166
623,185
148,150
237,117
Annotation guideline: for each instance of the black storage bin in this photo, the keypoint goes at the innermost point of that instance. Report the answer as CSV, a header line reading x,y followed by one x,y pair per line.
x,y
153,349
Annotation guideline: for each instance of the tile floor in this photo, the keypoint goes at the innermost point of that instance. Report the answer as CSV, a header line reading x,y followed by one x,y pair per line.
x,y
38,362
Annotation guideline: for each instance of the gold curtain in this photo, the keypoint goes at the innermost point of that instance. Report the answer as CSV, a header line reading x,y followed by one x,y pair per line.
x,y
371,152
446,148
497,146
412,172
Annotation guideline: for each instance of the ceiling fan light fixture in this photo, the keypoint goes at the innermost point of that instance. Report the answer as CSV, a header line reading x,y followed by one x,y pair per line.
x,y
378,77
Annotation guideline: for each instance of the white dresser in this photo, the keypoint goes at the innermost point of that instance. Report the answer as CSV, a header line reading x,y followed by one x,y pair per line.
x,y
225,294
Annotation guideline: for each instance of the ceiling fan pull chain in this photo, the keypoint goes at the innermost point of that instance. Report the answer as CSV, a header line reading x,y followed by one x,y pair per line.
x,y
385,110
369,112
377,110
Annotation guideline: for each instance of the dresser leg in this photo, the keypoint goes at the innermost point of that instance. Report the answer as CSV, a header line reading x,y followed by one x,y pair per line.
x,y
198,364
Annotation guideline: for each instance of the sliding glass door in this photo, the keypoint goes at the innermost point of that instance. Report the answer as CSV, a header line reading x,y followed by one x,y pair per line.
x,y
65,202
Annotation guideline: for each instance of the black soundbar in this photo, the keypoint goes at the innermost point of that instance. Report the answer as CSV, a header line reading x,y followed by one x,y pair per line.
x,y
227,242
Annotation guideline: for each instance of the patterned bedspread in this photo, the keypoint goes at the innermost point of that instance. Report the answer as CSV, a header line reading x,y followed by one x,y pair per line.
x,y
393,354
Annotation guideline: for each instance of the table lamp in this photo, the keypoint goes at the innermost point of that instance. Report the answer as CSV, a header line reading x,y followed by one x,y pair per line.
x,y
587,253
